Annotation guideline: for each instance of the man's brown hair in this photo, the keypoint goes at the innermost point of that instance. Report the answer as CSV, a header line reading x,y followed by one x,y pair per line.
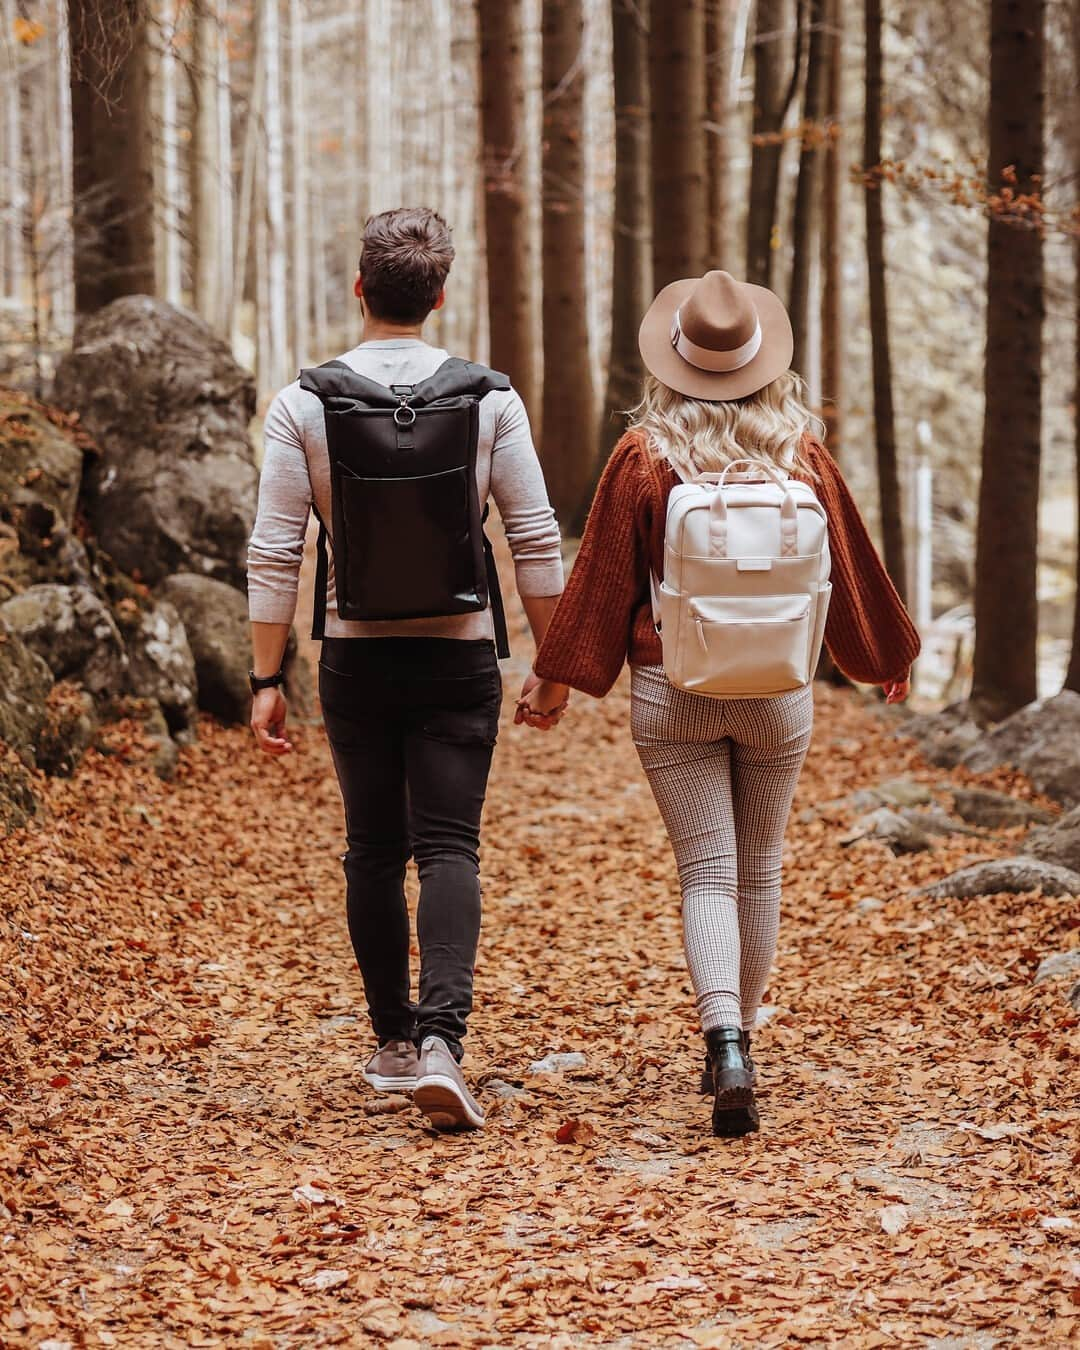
x,y
405,257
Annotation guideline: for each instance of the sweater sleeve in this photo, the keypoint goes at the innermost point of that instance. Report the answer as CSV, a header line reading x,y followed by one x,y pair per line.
x,y
276,548
868,632
587,642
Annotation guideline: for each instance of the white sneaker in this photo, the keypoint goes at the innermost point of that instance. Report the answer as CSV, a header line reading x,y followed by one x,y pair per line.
x,y
440,1089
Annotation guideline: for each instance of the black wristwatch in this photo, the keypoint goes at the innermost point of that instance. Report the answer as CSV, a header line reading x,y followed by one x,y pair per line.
x,y
265,681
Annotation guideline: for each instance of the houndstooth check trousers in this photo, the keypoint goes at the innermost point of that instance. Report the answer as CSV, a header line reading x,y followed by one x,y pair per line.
x,y
723,772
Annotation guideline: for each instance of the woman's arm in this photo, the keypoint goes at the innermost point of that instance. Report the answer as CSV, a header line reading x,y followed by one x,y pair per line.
x,y
587,641
868,631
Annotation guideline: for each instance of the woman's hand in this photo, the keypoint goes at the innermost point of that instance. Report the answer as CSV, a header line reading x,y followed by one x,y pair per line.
x,y
268,710
542,703
897,690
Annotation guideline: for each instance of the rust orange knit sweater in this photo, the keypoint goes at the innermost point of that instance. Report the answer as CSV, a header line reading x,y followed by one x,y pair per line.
x,y
605,617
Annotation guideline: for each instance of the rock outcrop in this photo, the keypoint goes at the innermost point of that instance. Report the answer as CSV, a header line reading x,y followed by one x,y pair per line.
x,y
175,487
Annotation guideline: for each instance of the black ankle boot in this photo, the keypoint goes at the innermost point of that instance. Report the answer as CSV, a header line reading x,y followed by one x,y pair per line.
x,y
706,1087
734,1111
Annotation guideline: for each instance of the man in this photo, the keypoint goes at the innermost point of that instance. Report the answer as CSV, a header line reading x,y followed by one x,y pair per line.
x,y
411,705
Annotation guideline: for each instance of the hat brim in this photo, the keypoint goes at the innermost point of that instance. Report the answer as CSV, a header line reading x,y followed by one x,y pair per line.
x,y
662,360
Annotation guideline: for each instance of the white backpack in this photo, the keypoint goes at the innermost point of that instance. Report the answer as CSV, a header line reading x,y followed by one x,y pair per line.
x,y
741,609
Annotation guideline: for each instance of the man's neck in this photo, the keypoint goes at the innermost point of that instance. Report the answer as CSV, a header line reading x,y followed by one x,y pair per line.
x,y
375,330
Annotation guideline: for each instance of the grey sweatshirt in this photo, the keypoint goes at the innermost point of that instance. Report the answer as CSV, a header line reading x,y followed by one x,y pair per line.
x,y
296,471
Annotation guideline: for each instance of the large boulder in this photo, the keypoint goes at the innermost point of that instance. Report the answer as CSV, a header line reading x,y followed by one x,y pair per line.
x,y
215,617
72,630
25,681
160,660
175,487
1058,843
1042,741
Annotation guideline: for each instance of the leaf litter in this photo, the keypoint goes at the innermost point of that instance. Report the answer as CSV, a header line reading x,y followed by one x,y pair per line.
x,y
190,1157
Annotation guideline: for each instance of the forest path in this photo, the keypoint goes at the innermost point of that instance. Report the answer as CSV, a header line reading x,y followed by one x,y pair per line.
x,y
193,1159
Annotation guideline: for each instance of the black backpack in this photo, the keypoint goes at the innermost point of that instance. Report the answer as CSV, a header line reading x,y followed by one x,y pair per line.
x,y
409,538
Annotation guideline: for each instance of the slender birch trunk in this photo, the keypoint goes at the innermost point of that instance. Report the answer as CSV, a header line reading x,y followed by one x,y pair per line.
x,y
204,165
171,241
278,351
13,185
301,242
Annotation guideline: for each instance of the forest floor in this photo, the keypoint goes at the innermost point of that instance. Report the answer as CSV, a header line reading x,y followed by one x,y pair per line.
x,y
190,1157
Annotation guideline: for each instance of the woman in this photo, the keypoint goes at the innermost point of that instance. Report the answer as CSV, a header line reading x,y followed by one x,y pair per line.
x,y
723,771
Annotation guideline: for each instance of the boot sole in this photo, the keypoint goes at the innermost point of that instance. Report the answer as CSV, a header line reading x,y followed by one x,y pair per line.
x,y
441,1101
734,1113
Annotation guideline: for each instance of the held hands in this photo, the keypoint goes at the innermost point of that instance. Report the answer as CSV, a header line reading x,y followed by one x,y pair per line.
x,y
268,711
542,703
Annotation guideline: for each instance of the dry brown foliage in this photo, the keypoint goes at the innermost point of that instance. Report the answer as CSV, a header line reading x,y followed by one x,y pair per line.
x,y
189,1156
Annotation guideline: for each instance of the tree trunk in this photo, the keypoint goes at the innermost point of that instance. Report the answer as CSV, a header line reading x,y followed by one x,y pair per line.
x,y
511,312
223,307
1072,676
772,98
892,520
112,168
274,199
832,239
171,240
63,300
1006,553
631,281
204,166
13,184
300,241
806,216
677,88
569,412
725,43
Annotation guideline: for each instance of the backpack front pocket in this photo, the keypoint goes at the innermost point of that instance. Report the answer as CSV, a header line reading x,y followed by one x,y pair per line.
x,y
745,646
403,547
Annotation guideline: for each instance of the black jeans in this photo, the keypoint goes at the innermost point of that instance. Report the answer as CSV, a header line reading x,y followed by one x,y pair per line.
x,y
412,724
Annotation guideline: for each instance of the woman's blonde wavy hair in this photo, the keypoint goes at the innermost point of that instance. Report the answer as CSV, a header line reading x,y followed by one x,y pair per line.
x,y
697,436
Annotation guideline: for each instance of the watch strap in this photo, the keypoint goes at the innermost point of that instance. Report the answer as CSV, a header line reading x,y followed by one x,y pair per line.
x,y
258,682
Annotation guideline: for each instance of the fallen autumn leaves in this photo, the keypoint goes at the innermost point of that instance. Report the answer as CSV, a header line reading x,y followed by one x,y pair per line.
x,y
190,1157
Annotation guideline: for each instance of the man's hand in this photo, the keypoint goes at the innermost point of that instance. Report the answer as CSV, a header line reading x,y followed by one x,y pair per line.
x,y
268,711
542,703
896,690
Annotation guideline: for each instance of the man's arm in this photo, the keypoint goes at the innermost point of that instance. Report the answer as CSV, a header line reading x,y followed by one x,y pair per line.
x,y
274,556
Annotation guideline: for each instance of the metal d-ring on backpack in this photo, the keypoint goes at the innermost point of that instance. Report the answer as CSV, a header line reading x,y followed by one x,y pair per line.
x,y
408,531
741,609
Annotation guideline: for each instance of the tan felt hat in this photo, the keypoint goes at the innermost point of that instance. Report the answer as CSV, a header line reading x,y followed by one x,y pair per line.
x,y
716,338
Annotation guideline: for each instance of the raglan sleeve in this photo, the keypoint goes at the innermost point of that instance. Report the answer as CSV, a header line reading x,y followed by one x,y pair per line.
x,y
276,547
520,493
